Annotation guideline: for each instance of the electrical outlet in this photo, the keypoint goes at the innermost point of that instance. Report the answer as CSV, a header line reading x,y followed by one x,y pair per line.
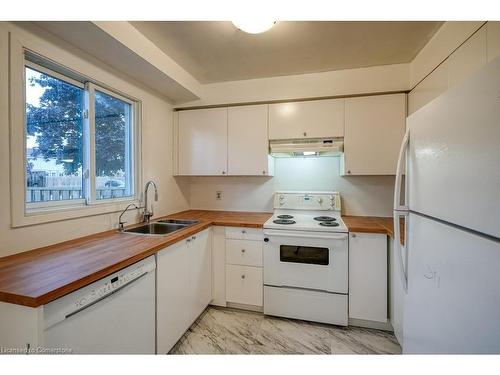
x,y
218,195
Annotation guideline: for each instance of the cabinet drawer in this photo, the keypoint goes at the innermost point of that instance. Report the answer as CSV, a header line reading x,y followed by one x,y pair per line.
x,y
240,233
244,252
244,285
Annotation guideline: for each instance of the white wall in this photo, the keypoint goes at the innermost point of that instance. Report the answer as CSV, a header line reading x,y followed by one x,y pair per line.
x,y
361,195
156,157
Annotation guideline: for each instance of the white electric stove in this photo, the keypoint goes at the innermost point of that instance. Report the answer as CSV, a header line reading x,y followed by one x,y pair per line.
x,y
306,258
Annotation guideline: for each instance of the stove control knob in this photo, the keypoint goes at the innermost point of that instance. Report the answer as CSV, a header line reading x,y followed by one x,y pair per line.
x,y
320,200
282,197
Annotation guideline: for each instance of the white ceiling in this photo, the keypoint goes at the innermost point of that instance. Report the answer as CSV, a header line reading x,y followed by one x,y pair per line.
x,y
216,51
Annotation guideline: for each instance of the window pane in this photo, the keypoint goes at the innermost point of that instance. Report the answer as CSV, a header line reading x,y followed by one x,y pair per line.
x,y
53,139
112,147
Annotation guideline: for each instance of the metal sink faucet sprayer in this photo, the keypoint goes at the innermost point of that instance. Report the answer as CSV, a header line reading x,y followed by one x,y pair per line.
x,y
146,216
120,221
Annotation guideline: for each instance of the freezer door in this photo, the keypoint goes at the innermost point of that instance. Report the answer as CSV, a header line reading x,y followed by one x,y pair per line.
x,y
453,300
454,154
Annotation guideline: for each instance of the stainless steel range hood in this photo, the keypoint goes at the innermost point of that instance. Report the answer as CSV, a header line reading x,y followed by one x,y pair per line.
x,y
306,147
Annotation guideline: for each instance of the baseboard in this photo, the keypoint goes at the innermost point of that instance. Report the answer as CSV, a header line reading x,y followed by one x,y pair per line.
x,y
387,326
242,306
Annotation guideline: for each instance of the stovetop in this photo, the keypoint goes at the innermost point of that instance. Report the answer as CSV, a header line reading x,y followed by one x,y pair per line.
x,y
307,222
307,211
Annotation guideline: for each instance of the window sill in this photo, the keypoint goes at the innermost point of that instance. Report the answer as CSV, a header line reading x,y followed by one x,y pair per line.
x,y
47,215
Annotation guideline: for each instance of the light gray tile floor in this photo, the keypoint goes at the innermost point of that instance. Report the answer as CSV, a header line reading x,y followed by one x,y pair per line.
x,y
231,331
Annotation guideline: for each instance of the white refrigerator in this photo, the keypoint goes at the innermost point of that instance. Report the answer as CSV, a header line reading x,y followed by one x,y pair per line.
x,y
448,194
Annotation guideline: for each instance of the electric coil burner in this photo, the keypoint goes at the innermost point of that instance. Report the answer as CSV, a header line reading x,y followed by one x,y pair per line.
x,y
284,221
329,224
284,217
324,218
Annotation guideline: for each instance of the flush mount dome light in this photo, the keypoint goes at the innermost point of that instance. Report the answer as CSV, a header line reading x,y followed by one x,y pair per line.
x,y
254,26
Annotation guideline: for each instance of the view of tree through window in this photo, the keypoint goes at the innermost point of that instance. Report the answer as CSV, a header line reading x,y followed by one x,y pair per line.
x,y
55,147
112,119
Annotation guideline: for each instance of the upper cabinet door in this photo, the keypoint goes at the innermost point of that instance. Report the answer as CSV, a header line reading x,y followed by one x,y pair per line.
x,y
468,58
374,128
430,88
493,39
248,142
203,142
310,119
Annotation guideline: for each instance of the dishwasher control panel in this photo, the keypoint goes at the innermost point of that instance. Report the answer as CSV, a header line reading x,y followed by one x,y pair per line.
x,y
111,285
83,298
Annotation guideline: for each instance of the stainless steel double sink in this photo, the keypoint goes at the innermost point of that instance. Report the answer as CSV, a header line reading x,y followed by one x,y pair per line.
x,y
161,227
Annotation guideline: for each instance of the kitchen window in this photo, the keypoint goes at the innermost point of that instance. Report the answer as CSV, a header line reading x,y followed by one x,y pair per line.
x,y
81,141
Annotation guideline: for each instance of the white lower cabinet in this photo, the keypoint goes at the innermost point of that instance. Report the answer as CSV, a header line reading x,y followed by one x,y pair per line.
x,y
243,258
244,285
184,287
243,252
368,277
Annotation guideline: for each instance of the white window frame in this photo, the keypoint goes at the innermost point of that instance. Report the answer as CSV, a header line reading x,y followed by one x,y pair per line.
x,y
89,126
23,214
47,205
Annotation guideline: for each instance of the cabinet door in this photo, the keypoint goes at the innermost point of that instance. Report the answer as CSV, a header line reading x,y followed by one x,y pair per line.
x,y
374,128
218,266
247,140
309,119
431,87
200,273
368,276
202,145
493,39
173,301
244,285
468,58
244,252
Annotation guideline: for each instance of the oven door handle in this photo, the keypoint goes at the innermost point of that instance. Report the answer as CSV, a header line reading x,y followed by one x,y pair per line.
x,y
329,236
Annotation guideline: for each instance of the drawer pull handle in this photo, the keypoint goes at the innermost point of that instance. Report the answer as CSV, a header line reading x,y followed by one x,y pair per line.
x,y
242,250
242,277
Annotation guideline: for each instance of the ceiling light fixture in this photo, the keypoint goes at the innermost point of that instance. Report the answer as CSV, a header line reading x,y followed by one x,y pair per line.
x,y
254,26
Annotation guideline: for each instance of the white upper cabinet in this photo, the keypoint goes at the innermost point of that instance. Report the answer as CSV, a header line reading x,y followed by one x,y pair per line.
x,y
431,87
247,141
468,58
374,128
308,119
473,54
493,39
202,142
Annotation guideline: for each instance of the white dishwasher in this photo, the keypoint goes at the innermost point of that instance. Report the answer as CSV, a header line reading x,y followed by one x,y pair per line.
x,y
114,315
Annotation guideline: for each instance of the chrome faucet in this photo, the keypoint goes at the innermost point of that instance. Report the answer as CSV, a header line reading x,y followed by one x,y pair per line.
x,y
120,222
146,216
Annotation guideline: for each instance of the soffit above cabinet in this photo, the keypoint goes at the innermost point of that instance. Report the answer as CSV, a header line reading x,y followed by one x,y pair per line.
x,y
160,73
216,51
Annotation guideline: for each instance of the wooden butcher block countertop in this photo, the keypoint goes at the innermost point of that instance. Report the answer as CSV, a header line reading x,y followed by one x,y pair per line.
x,y
369,224
39,276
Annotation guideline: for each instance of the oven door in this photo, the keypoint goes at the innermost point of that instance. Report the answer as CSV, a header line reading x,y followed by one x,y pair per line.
x,y
309,260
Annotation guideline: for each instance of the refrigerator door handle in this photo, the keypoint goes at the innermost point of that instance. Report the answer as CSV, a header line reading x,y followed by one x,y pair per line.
x,y
399,174
399,248
401,210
